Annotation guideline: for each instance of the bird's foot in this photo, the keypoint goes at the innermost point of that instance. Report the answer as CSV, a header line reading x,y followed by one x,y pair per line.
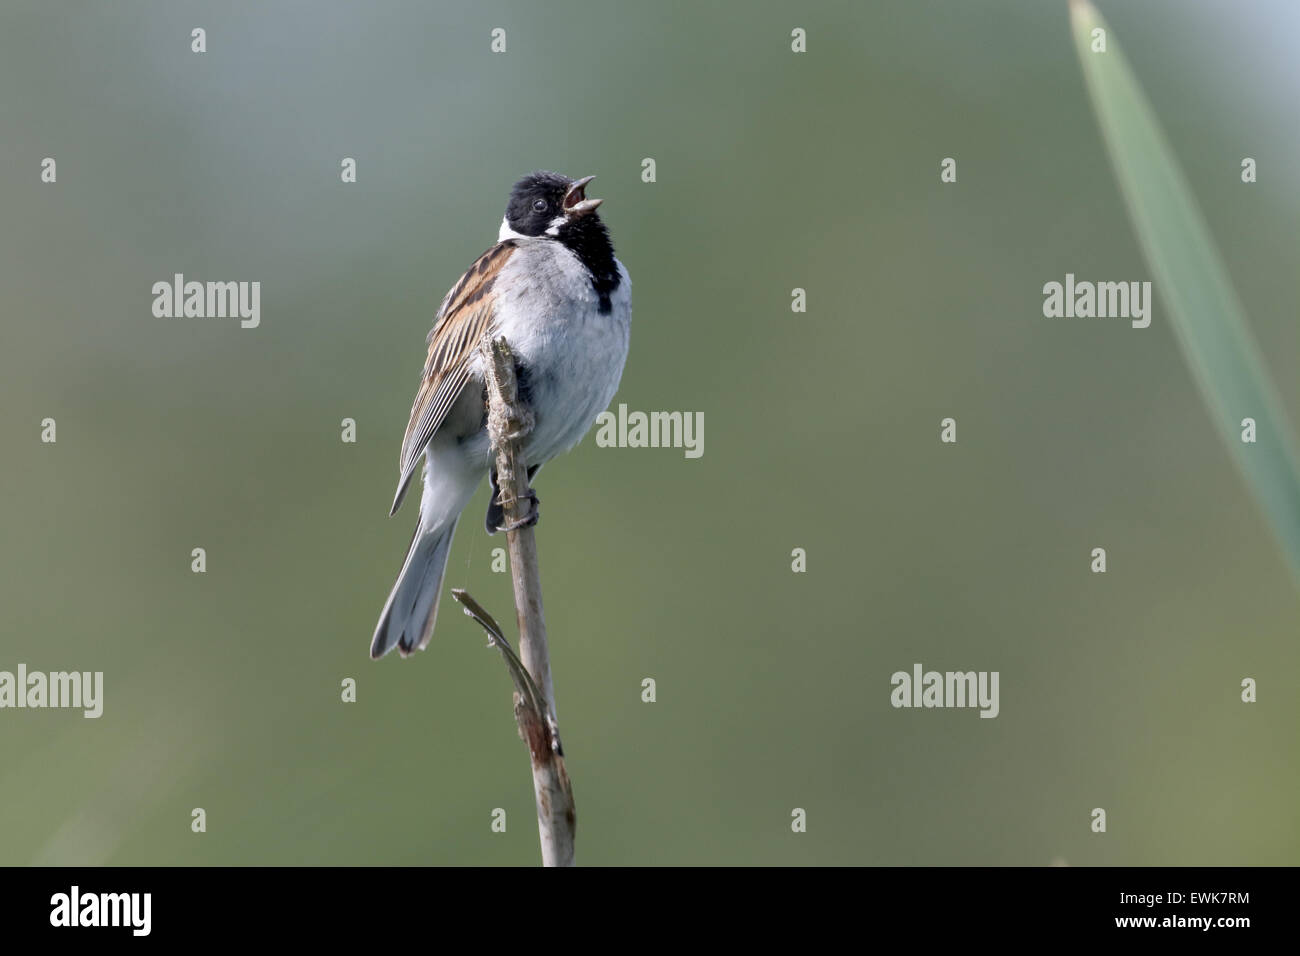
x,y
496,514
497,518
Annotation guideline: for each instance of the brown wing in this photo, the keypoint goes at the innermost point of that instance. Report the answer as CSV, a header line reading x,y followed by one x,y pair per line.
x,y
462,320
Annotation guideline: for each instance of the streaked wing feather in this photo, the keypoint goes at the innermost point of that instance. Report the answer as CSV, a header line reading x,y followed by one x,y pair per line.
x,y
463,319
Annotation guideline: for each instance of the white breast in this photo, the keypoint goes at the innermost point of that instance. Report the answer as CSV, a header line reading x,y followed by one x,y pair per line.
x,y
549,313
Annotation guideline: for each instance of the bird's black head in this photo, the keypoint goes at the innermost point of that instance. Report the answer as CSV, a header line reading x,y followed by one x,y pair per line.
x,y
548,205
554,207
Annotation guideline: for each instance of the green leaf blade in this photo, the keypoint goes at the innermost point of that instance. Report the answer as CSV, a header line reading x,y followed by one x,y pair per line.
x,y
1205,312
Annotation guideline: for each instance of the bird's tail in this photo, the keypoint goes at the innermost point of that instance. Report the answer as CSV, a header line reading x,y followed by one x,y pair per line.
x,y
408,617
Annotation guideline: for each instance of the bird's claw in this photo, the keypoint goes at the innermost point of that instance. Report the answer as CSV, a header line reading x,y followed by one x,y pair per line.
x,y
529,519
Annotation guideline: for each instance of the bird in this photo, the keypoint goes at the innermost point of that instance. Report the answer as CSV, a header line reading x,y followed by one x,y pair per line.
x,y
552,286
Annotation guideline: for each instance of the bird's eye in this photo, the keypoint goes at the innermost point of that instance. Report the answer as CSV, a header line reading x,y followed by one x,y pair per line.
x,y
539,205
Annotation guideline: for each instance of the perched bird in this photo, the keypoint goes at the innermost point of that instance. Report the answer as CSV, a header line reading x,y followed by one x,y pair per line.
x,y
552,287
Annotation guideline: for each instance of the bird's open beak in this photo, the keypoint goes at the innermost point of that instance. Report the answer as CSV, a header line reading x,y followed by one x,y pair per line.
x,y
576,202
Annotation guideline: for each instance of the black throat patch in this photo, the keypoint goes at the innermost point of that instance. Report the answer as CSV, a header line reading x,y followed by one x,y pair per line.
x,y
588,239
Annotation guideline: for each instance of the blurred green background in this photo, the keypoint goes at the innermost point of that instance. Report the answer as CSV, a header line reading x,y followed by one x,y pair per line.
x,y
775,170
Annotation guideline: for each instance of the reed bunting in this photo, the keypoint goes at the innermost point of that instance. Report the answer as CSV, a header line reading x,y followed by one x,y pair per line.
x,y
552,287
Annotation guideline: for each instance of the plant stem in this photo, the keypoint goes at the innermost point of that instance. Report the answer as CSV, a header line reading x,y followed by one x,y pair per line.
x,y
509,422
